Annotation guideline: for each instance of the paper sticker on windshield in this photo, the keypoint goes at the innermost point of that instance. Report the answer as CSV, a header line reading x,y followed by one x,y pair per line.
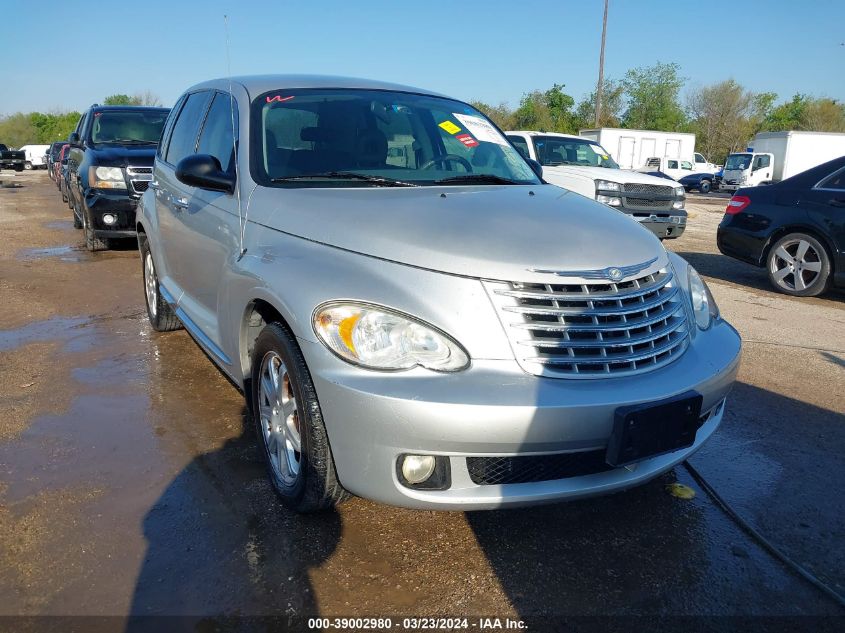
x,y
480,129
450,127
467,140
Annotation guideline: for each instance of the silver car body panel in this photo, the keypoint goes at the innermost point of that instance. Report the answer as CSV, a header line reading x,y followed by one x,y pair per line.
x,y
414,251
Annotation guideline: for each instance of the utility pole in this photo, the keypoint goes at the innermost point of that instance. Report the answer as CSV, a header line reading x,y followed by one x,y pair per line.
x,y
601,66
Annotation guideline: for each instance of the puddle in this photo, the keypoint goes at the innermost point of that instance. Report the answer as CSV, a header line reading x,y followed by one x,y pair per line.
x,y
60,327
64,253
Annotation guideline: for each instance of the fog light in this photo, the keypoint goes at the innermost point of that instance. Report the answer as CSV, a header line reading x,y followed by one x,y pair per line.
x,y
611,201
417,468
109,219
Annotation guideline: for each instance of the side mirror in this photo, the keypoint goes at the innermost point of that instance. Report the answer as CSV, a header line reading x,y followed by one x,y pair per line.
x,y
204,171
73,139
536,167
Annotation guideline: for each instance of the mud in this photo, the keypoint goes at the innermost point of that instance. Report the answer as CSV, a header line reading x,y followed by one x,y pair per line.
x,y
130,480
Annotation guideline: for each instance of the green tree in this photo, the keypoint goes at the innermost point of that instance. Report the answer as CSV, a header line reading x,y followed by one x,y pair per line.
x,y
501,114
145,98
612,105
786,116
549,111
824,115
652,96
16,130
120,99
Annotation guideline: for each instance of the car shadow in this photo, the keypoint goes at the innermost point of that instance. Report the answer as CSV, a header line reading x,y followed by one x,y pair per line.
x,y
219,543
644,552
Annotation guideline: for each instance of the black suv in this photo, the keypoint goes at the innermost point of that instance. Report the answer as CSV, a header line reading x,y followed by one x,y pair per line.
x,y
110,165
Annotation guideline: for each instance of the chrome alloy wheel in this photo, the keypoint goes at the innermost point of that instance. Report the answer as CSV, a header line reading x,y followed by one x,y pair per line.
x,y
796,265
150,284
279,418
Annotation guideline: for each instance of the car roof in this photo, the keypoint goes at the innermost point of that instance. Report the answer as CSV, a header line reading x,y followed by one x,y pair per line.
x,y
258,84
558,134
128,108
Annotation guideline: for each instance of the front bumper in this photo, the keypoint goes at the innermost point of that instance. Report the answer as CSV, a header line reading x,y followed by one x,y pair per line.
x,y
119,204
496,409
667,225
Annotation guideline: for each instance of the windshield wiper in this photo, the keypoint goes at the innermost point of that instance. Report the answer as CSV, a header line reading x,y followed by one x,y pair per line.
x,y
129,141
470,178
348,175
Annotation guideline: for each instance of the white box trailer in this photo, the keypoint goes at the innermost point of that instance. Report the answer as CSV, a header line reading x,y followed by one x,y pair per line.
x,y
794,151
632,148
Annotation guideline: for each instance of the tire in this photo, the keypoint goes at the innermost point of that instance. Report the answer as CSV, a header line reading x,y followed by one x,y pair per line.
x,y
18,167
704,186
92,242
798,265
27,165
286,412
77,222
160,314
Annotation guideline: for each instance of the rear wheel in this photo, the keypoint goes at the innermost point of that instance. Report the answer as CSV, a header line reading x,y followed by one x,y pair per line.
x,y
798,265
159,312
77,217
27,165
290,425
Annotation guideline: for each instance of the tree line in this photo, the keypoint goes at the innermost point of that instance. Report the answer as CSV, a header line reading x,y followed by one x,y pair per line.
x,y
41,128
724,115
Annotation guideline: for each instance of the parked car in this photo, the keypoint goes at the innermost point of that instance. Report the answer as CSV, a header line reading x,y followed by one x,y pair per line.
x,y
776,156
11,158
52,155
34,155
585,167
700,182
110,166
414,317
795,228
58,163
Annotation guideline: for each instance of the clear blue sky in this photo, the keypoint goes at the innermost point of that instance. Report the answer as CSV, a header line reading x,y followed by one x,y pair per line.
x,y
493,51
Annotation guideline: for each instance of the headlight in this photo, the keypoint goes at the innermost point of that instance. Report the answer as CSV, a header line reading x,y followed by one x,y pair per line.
x,y
106,178
680,192
703,305
611,201
378,338
606,185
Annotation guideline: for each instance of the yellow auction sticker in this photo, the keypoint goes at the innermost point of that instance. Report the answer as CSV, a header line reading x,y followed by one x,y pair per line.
x,y
450,127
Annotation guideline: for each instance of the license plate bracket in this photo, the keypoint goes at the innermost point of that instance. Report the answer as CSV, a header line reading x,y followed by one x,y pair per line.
x,y
655,428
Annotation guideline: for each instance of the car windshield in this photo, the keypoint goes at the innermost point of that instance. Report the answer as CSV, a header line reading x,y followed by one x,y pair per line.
x,y
559,150
371,138
133,127
738,161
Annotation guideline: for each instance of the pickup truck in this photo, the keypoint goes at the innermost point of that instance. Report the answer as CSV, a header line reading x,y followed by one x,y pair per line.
x,y
583,166
11,159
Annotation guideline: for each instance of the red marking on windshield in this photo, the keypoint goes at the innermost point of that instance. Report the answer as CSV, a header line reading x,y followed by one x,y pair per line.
x,y
279,98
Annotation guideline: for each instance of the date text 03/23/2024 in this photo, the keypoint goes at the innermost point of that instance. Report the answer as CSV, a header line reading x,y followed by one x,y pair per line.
x,y
414,624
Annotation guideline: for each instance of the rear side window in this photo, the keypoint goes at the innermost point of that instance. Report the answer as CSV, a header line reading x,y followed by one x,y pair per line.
x,y
836,181
168,127
521,145
183,140
217,138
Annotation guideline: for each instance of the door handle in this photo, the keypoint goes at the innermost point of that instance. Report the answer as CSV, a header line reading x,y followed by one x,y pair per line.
x,y
837,202
179,203
153,185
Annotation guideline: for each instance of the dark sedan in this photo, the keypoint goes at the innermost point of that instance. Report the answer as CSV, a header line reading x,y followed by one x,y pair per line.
x,y
795,229
701,182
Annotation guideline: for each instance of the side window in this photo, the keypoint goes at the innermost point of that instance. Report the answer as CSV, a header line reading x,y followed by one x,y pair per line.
x,y
672,164
699,158
183,139
216,137
521,145
836,181
168,127
761,161
685,164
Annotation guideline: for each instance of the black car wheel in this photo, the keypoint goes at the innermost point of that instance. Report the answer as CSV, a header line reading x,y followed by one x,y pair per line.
x,y
704,186
289,424
798,265
77,217
160,314
92,242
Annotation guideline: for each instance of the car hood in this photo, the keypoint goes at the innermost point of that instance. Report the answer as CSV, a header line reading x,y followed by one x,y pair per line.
x,y
613,175
489,232
119,156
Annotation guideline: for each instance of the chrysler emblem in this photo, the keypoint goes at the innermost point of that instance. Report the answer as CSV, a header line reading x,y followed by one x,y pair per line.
x,y
614,274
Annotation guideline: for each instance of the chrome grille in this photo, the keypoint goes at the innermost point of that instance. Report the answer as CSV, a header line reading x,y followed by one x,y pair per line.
x,y
658,190
139,178
594,329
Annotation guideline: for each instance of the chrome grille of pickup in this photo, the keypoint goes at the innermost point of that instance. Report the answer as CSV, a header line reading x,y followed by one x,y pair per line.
x,y
658,190
577,330
647,197
139,178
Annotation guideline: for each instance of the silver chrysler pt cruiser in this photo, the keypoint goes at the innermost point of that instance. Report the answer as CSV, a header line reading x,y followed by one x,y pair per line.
x,y
412,314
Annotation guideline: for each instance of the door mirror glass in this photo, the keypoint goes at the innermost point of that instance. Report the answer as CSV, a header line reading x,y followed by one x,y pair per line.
x,y
73,139
536,167
204,171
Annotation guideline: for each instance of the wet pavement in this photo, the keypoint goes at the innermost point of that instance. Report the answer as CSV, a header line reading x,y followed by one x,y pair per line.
x,y
130,481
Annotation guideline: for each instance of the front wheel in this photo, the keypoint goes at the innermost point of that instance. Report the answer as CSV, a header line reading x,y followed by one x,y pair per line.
x,y
798,265
704,186
290,426
92,242
27,165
